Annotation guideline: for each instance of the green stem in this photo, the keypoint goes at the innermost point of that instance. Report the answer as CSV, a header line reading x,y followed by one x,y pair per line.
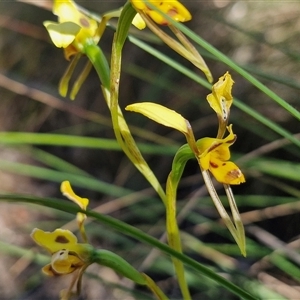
x,y
80,80
118,264
64,81
182,156
123,136
120,126
174,236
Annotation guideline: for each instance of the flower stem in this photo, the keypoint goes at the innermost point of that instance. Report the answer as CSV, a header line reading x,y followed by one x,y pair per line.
x,y
174,236
182,156
154,288
120,126
236,229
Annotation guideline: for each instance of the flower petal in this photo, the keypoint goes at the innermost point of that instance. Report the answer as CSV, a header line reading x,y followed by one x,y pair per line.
x,y
139,4
62,35
221,99
62,262
67,191
226,172
47,270
66,11
219,148
56,240
174,9
161,115
138,22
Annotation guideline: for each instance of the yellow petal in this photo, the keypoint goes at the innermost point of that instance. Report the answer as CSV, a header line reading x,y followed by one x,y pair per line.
x,y
218,148
138,22
226,172
174,9
221,99
48,270
161,115
67,191
61,239
205,160
62,262
222,151
56,240
205,145
66,10
139,4
62,35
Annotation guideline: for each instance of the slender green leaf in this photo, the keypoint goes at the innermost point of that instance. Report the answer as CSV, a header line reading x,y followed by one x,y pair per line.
x,y
15,138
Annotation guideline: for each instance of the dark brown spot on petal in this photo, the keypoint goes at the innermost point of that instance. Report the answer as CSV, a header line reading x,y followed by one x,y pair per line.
x,y
84,22
213,165
62,240
224,164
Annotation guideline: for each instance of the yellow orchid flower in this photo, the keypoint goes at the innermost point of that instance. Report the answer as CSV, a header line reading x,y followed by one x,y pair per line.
x,y
73,28
67,255
67,191
213,153
173,9
214,156
62,263
220,100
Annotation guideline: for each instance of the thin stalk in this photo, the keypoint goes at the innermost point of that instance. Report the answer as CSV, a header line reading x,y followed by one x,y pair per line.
x,y
173,235
110,89
155,288
236,217
120,126
176,46
64,81
80,80
188,45
235,231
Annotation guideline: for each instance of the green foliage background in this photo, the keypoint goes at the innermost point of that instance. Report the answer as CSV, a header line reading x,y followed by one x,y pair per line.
x,y
46,139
